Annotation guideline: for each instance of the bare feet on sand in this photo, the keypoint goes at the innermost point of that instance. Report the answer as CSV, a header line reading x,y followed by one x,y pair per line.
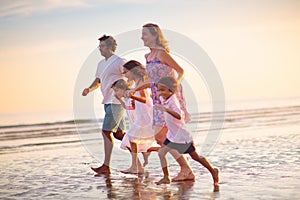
x,y
184,176
104,169
133,170
216,176
165,180
216,188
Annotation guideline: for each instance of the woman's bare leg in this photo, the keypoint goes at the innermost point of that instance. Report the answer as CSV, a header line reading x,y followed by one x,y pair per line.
x,y
146,158
160,134
164,165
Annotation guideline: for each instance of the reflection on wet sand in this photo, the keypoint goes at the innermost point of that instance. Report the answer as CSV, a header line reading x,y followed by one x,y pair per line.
x,y
144,187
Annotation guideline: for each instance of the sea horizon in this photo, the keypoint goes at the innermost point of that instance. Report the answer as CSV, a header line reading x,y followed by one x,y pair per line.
x,y
65,115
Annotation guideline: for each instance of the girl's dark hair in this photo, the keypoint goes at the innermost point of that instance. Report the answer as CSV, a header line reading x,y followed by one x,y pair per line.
x,y
109,41
121,84
136,68
169,82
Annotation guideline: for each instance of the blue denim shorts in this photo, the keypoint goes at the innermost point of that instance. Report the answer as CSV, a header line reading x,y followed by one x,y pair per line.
x,y
114,118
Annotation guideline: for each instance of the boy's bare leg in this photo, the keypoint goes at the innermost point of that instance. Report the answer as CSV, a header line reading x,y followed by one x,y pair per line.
x,y
203,161
186,173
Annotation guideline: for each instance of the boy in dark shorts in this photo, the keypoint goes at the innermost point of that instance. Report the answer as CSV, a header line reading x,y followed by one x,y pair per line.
x,y
178,137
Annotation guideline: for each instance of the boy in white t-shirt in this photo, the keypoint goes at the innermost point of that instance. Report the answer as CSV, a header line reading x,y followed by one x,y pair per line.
x,y
178,137
109,70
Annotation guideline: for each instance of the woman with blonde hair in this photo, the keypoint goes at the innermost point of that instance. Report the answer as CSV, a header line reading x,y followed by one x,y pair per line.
x,y
159,64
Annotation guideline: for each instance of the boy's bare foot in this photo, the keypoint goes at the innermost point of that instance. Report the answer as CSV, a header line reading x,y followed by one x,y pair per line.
x,y
216,188
165,180
183,176
104,169
146,158
216,176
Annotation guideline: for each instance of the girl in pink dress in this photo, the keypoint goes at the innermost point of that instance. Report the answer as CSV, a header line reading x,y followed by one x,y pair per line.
x,y
139,138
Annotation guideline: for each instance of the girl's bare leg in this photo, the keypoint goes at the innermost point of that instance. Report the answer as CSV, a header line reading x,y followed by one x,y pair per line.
x,y
136,166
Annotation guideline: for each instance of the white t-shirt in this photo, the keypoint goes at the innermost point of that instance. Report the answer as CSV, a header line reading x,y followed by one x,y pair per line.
x,y
108,72
177,132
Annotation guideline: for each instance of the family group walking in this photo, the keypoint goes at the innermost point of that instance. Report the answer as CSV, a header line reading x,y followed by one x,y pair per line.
x,y
153,99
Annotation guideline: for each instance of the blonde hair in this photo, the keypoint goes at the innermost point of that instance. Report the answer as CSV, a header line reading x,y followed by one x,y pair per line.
x,y
160,41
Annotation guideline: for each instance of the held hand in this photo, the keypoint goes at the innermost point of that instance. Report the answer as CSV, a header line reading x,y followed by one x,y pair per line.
x,y
85,91
129,93
160,107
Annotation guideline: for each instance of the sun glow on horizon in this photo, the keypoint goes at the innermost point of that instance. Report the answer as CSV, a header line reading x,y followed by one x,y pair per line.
x,y
42,49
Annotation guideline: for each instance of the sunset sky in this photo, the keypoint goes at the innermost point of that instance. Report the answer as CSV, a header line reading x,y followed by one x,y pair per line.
x,y
255,45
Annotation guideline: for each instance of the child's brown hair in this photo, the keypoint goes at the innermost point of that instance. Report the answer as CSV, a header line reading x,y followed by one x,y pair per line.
x,y
169,82
121,84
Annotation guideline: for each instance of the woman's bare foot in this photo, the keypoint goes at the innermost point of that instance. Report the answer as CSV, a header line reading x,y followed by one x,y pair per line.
x,y
165,180
134,170
216,176
146,158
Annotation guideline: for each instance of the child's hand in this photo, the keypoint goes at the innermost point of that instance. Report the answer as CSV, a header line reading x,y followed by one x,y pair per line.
x,y
160,107
129,93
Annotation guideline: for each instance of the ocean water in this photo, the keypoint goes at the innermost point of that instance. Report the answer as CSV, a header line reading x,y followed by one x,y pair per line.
x,y
257,151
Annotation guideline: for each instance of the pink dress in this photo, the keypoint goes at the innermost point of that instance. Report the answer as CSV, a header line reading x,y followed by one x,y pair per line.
x,y
155,71
140,124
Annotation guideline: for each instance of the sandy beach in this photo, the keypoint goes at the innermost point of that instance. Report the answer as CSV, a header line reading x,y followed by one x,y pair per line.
x,y
258,161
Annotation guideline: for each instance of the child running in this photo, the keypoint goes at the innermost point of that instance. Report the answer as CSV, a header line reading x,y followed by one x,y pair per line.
x,y
178,137
140,136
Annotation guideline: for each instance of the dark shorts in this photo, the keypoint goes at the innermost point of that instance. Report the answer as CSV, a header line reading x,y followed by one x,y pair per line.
x,y
180,147
114,118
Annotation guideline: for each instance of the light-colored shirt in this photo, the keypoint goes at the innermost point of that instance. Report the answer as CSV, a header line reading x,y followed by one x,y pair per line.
x,y
109,71
177,131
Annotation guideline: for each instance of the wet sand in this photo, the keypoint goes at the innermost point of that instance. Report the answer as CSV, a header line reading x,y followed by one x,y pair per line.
x,y
259,163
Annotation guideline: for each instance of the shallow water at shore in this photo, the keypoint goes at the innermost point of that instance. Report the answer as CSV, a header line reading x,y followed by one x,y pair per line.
x,y
258,155
259,164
